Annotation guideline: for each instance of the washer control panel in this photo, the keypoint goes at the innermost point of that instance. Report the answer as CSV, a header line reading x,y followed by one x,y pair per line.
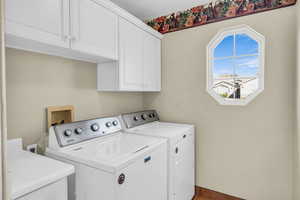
x,y
138,118
75,132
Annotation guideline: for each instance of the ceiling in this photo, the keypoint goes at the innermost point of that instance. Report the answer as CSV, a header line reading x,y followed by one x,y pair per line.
x,y
148,9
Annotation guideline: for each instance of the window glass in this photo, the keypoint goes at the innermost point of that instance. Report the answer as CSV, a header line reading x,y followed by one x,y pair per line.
x,y
247,66
225,47
223,68
236,66
245,45
223,76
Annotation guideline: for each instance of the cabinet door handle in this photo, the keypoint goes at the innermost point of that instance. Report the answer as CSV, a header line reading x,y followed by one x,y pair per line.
x,y
176,150
184,136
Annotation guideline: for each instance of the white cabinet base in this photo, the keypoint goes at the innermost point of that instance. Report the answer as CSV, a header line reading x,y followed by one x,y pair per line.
x,y
54,191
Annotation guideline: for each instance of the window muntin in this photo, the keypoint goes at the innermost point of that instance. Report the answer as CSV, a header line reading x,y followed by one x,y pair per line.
x,y
236,66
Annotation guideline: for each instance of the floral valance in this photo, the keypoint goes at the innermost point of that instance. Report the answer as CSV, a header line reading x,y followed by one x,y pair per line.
x,y
213,12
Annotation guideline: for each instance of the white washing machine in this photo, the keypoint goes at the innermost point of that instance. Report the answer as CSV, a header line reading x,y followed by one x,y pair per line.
x,y
181,149
110,164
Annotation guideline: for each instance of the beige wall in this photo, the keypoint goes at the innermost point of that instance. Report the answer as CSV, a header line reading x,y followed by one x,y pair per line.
x,y
35,81
3,168
244,151
297,136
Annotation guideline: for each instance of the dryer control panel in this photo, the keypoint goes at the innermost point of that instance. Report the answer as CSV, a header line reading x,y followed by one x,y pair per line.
x,y
138,118
75,132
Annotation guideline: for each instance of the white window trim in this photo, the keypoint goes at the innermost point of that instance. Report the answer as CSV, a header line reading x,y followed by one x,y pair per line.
x,y
210,57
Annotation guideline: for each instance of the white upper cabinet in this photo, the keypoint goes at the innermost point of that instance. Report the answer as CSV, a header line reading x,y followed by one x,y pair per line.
x,y
139,65
93,29
45,21
128,51
131,56
77,29
152,63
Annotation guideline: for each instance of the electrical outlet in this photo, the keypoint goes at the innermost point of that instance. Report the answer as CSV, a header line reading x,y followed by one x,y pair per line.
x,y
32,148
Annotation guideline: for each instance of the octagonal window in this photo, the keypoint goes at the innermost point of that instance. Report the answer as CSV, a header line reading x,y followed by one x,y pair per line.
x,y
235,65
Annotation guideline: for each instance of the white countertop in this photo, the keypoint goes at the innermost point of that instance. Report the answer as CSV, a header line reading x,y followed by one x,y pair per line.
x,y
29,171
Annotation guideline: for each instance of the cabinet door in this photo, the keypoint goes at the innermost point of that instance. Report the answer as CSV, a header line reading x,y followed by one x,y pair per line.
x,y
131,56
184,169
44,21
145,179
152,63
57,190
93,29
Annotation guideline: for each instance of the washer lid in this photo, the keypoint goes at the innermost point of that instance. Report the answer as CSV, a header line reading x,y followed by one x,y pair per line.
x,y
114,152
162,129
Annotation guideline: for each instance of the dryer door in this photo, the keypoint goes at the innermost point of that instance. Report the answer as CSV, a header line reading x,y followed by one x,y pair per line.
x,y
184,169
144,179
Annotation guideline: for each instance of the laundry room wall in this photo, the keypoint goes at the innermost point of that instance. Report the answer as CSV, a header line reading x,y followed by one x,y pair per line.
x,y
245,151
35,81
297,136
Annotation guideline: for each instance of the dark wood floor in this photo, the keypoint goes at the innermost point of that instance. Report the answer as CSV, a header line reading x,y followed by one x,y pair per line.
x,y
202,198
206,194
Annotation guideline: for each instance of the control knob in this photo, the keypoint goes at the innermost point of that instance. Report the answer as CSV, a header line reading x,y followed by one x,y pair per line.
x,y
78,131
68,133
115,123
108,124
95,127
144,116
135,118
